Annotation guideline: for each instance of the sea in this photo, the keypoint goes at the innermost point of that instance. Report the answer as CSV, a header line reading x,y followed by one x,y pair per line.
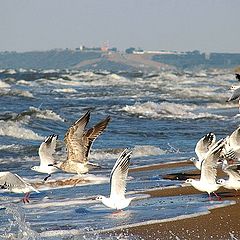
x,y
159,115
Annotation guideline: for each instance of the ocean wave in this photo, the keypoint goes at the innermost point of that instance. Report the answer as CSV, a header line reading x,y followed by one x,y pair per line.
x,y
166,110
147,150
45,114
65,90
138,151
15,129
4,85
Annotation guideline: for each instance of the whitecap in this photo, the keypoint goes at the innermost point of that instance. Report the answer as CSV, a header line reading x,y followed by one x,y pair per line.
x,y
147,150
65,90
15,129
46,114
4,85
166,110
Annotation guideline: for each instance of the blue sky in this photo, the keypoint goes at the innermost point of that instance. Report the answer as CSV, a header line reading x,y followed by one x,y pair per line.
x,y
205,25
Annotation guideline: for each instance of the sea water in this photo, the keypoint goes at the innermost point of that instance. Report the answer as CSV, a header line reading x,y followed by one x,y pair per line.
x,y
159,115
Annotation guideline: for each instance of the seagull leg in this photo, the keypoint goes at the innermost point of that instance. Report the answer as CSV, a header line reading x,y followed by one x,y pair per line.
x,y
218,197
46,178
209,197
26,198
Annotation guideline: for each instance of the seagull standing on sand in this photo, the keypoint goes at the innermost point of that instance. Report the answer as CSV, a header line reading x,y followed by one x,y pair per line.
x,y
78,142
232,170
207,182
202,147
46,151
118,177
16,184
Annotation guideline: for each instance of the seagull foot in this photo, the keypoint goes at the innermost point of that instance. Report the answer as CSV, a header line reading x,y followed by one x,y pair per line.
x,y
117,211
26,198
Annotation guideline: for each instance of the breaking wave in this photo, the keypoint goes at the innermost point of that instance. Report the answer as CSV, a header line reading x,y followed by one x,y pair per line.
x,y
166,110
15,129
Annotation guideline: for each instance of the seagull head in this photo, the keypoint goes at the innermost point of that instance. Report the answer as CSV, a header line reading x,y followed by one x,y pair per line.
x,y
193,159
35,168
189,180
221,181
99,198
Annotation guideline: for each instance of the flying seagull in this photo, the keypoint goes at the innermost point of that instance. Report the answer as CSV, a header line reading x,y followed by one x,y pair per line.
x,y
46,151
118,177
207,182
202,148
16,184
78,142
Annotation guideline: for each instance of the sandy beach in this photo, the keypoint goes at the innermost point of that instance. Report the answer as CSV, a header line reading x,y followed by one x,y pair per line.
x,y
219,223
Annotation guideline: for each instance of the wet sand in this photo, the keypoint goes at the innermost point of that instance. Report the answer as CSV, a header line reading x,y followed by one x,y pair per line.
x,y
220,223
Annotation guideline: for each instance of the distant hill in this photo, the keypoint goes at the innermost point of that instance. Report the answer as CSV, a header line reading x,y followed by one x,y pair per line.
x,y
52,59
116,61
195,59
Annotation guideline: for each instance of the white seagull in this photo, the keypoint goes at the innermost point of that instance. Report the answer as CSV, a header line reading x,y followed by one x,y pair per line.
x,y
207,182
16,184
46,151
232,146
202,147
235,94
232,170
118,177
78,142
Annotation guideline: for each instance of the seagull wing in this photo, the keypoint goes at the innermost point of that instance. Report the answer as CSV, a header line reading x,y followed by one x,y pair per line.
x,y
204,144
47,149
232,170
10,180
90,136
73,139
119,174
209,165
237,76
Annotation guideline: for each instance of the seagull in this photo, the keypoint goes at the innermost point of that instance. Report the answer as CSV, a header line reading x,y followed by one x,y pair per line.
x,y
235,95
233,182
207,182
16,184
202,147
46,151
118,177
232,147
78,142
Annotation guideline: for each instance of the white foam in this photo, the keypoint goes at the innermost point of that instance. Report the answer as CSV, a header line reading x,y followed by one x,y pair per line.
x,y
15,129
4,85
147,150
65,90
166,110
46,114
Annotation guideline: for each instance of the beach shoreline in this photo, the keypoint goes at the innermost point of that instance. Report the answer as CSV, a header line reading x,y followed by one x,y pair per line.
x,y
218,223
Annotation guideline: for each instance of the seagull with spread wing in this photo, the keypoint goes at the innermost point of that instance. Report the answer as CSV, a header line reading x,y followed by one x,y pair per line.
x,y
207,182
232,147
46,151
78,141
118,178
16,184
202,148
